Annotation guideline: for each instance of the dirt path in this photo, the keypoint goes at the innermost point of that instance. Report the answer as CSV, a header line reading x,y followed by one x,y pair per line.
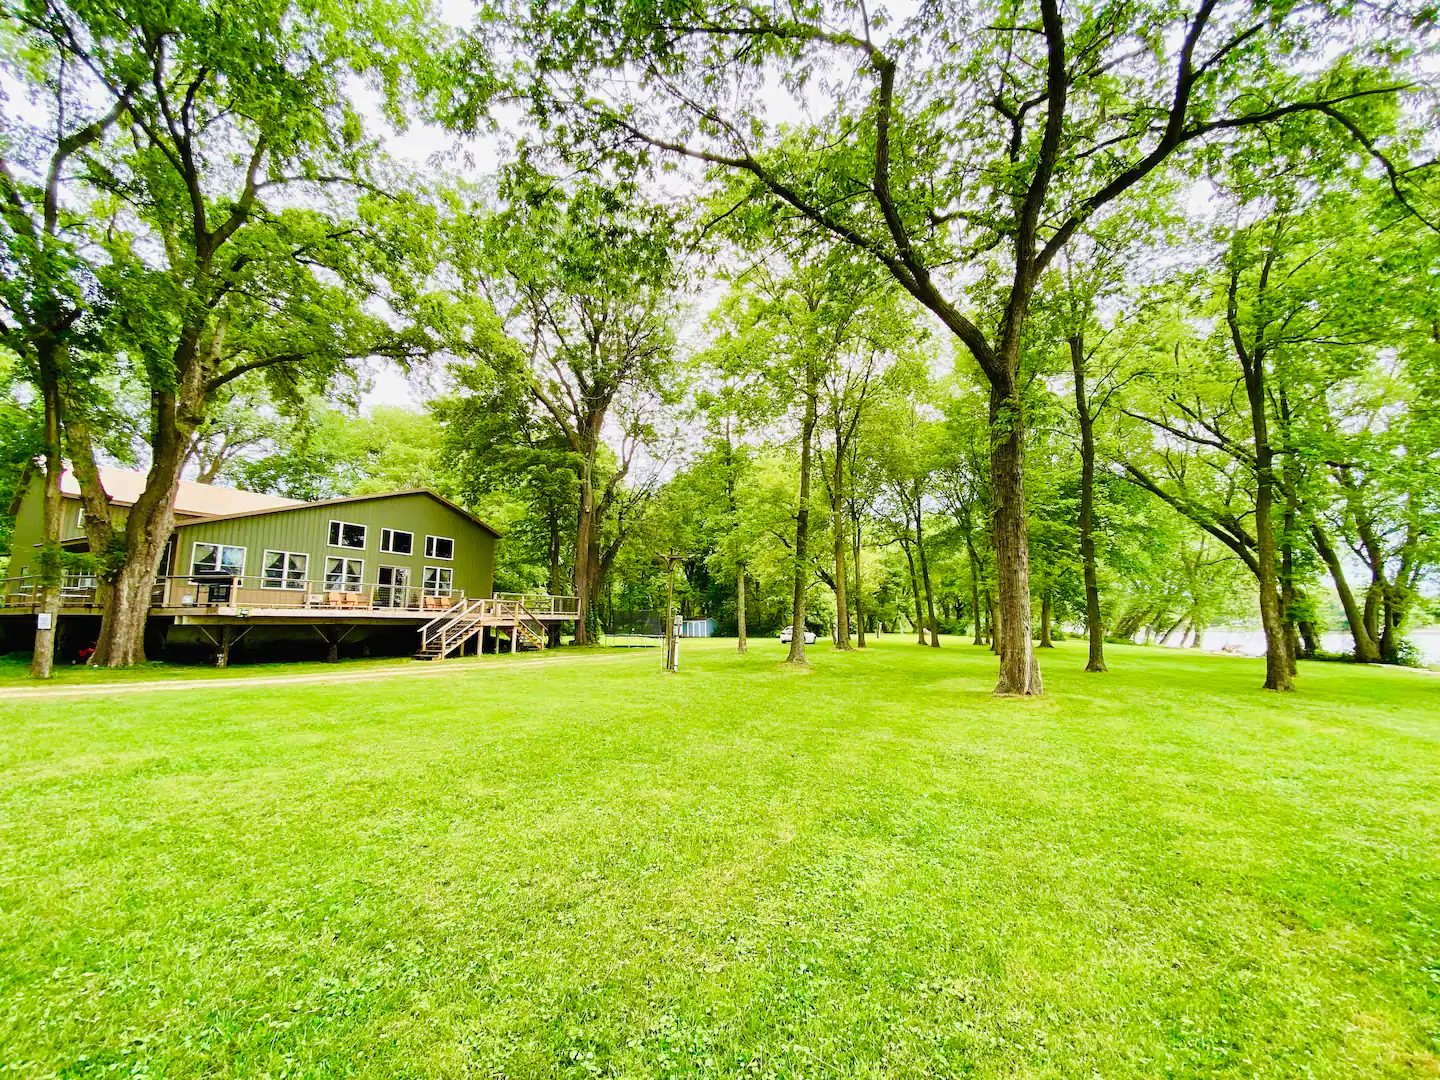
x,y
417,670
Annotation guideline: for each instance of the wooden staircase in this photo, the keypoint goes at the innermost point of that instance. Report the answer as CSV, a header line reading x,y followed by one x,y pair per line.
x,y
447,633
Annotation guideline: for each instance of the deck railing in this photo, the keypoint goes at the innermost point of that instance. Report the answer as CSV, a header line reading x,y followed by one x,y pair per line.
x,y
76,590
181,591
207,591
453,627
543,603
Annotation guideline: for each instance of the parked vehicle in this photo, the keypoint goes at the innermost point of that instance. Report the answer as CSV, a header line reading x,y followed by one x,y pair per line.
x,y
789,632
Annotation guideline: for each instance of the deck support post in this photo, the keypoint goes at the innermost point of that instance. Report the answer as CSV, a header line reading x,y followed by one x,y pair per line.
x,y
222,648
515,637
332,644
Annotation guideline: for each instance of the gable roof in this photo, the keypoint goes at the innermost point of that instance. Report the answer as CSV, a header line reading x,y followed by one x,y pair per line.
x,y
123,487
342,501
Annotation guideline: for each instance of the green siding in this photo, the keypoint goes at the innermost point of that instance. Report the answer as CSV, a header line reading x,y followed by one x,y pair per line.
x,y
306,529
25,537
29,525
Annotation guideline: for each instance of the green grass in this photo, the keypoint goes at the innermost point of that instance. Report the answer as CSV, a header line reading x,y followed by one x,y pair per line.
x,y
15,670
593,869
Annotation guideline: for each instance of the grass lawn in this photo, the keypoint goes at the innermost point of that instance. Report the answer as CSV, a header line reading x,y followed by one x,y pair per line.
x,y
593,869
15,669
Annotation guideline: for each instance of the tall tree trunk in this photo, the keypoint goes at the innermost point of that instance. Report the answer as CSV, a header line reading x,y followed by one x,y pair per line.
x,y
1165,638
1371,613
974,585
586,528
1389,632
915,589
802,526
175,415
837,526
147,532
1289,594
1045,642
1278,665
859,585
925,576
744,644
599,566
1310,638
1019,669
554,580
1094,626
990,623
51,570
1287,612
1398,594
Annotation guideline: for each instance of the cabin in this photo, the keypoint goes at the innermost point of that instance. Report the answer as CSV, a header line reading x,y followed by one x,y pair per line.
x,y
389,573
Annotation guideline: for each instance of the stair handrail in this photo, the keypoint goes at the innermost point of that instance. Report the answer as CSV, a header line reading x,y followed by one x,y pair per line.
x,y
447,613
459,628
455,611
532,626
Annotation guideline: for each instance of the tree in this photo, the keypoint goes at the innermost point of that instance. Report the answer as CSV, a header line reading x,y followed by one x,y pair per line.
x,y
967,134
48,283
886,332
228,249
785,330
907,459
1306,319
583,279
962,479
1097,269
325,452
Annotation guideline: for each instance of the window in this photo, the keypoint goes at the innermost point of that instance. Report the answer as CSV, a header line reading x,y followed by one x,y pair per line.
x,y
80,517
392,586
346,534
439,547
397,542
344,575
221,560
437,580
285,570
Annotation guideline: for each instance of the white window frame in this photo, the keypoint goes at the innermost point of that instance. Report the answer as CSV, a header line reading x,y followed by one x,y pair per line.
x,y
340,534
285,578
404,590
219,555
344,585
430,548
387,541
439,570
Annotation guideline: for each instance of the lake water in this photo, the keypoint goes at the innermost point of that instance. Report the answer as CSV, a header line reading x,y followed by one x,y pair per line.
x,y
1252,642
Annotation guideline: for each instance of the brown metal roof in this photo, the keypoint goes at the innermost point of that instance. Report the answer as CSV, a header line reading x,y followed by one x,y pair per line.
x,y
123,487
347,499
